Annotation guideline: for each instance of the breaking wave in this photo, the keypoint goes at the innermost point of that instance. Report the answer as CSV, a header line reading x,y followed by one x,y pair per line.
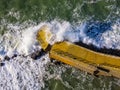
x,y
22,72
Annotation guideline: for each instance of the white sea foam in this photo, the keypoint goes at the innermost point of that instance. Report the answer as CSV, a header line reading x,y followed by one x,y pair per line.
x,y
23,72
23,41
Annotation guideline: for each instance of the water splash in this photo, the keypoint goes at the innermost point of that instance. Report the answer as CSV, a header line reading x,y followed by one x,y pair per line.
x,y
23,72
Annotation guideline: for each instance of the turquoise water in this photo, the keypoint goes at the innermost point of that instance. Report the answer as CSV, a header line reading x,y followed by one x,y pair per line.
x,y
33,12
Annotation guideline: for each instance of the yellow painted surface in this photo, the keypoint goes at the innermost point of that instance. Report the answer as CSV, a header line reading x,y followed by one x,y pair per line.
x,y
43,36
85,59
115,72
86,54
80,57
78,64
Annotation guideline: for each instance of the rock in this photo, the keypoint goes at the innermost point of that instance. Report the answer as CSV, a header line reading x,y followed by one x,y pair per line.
x,y
15,55
2,64
57,63
7,58
37,54
33,56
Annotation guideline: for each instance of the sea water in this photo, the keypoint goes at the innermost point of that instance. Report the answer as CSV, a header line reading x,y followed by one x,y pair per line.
x,y
92,22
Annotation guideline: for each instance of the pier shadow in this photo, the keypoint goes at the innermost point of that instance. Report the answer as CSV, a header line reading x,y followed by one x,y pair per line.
x,y
104,50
